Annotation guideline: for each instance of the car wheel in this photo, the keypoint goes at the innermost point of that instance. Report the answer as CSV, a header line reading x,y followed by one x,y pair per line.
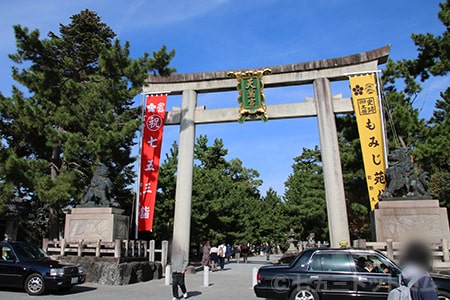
x,y
443,295
34,284
304,293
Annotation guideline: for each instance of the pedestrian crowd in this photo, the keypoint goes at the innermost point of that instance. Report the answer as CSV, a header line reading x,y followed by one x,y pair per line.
x,y
215,256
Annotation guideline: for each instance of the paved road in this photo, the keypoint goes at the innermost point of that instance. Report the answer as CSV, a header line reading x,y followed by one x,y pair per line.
x,y
235,282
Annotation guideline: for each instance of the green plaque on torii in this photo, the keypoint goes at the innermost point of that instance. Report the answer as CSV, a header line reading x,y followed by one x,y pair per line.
x,y
251,98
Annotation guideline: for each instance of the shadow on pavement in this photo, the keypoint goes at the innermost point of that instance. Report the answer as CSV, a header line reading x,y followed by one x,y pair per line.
x,y
75,290
14,290
194,293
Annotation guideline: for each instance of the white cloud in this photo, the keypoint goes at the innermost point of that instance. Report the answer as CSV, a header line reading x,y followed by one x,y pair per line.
x,y
158,13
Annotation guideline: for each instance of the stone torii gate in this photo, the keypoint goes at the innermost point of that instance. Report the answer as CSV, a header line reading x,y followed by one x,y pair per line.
x,y
319,73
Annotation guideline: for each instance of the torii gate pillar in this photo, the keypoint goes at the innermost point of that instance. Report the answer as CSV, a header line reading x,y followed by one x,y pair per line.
x,y
185,170
332,170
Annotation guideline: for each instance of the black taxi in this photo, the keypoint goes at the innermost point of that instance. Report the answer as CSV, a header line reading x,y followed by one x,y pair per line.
x,y
324,274
27,266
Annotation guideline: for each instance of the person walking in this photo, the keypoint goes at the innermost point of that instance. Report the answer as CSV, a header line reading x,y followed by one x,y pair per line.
x,y
245,250
179,264
237,252
229,252
205,257
213,255
261,249
221,255
268,250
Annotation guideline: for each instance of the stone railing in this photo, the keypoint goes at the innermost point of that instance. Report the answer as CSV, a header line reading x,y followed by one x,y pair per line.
x,y
439,251
116,249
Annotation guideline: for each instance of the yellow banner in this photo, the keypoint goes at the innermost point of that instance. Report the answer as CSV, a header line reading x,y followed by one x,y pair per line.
x,y
368,117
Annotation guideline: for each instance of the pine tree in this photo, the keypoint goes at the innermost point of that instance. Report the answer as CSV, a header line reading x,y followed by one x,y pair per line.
x,y
226,203
305,195
433,60
165,198
77,112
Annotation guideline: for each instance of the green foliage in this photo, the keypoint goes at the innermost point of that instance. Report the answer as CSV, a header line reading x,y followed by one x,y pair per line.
x,y
359,221
433,59
305,195
222,190
434,52
270,222
434,153
226,202
77,111
161,60
165,198
401,117
440,187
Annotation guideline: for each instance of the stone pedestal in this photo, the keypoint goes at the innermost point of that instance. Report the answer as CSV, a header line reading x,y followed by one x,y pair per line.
x,y
402,220
96,223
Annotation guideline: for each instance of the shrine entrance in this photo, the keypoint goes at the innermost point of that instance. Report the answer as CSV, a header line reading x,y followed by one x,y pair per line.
x,y
324,106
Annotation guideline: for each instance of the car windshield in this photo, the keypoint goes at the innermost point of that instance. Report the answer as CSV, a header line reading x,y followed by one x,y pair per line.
x,y
29,252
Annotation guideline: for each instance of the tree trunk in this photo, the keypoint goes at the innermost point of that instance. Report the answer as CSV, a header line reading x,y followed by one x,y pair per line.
x,y
53,222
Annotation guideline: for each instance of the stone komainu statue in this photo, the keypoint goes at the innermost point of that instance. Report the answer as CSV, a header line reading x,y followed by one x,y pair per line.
x,y
402,176
99,189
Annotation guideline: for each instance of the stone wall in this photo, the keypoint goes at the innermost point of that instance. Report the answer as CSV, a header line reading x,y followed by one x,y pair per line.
x,y
111,271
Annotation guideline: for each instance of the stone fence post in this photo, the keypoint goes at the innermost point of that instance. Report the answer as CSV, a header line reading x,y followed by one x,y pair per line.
x,y
62,245
126,248
80,247
132,246
139,250
145,248
151,251
118,248
164,254
97,248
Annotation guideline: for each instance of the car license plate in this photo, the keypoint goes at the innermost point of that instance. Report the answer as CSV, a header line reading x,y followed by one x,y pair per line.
x,y
74,280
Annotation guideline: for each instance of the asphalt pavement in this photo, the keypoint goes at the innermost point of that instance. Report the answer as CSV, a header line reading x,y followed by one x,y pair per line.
x,y
234,282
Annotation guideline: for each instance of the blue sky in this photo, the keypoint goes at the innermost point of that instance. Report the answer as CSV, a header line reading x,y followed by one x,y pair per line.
x,y
211,35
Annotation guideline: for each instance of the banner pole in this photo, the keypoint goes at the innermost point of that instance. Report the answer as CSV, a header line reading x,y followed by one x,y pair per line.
x,y
383,125
138,184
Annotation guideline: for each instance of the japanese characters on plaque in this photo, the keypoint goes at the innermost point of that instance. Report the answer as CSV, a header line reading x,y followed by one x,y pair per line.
x,y
368,116
251,97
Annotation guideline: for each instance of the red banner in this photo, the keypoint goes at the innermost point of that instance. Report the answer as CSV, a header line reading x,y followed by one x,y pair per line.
x,y
152,133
